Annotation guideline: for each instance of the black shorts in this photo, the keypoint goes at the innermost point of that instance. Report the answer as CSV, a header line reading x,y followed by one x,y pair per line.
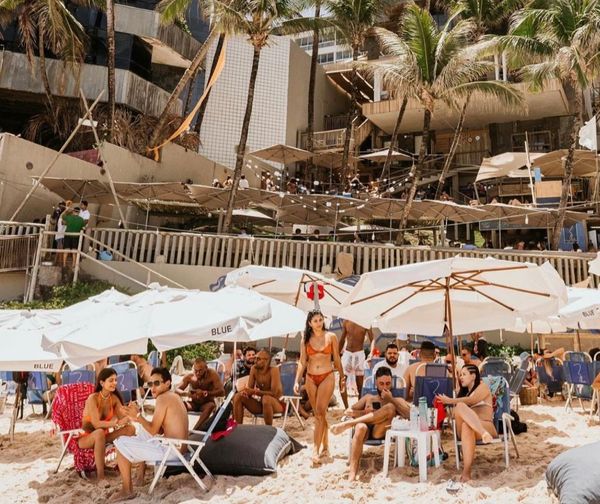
x,y
71,242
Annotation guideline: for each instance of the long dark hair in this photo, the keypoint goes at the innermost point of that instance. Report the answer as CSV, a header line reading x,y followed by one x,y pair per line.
x,y
308,332
464,391
104,375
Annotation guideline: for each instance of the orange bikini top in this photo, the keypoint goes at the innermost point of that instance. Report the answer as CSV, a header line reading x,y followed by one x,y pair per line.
x,y
88,419
328,350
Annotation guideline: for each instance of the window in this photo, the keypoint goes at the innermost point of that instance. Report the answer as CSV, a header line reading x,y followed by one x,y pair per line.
x,y
325,58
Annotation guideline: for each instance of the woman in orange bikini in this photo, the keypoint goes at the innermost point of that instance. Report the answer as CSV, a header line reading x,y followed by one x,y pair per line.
x,y
103,411
318,351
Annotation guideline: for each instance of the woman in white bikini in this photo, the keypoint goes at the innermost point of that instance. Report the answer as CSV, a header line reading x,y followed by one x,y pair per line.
x,y
474,415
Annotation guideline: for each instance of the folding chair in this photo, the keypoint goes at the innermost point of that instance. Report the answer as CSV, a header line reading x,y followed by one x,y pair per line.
x,y
288,378
37,388
515,385
502,419
374,361
369,387
67,414
554,382
578,375
192,456
154,359
496,366
431,386
434,369
219,367
81,375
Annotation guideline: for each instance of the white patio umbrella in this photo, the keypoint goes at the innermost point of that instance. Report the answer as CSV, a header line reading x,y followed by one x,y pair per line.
x,y
594,265
583,309
170,318
462,294
21,336
292,286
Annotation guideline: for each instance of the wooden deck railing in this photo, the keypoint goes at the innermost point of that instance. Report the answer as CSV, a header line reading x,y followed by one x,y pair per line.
x,y
229,251
18,243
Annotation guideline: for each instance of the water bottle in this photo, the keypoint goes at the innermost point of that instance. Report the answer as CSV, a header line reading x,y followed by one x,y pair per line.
x,y
423,414
414,418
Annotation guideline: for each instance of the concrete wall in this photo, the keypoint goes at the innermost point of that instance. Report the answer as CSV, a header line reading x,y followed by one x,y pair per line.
x,y
130,90
12,285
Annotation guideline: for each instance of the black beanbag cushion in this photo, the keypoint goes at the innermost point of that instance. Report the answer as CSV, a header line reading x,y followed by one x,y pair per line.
x,y
574,476
253,450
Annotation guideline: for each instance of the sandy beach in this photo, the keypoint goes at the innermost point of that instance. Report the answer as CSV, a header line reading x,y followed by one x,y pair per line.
x,y
27,470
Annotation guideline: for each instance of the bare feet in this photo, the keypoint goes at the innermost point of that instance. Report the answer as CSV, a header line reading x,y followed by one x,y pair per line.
x,y
339,428
464,477
352,476
122,496
486,438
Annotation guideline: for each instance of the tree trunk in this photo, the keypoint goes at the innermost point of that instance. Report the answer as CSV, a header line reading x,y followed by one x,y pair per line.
x,y
351,116
453,147
185,78
241,151
568,174
311,91
394,140
415,173
217,55
44,75
110,63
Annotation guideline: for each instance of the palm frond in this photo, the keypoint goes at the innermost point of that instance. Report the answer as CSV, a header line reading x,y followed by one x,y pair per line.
x,y
171,10
419,31
502,92
538,74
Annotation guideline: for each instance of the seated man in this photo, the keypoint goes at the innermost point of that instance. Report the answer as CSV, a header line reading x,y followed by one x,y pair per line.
x,y
170,419
244,365
204,386
261,396
372,417
468,357
392,362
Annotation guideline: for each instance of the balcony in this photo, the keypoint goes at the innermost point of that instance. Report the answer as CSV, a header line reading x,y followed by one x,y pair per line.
x,y
131,90
482,110
170,44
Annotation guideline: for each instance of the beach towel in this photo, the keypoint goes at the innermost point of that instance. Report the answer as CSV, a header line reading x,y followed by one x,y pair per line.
x,y
67,412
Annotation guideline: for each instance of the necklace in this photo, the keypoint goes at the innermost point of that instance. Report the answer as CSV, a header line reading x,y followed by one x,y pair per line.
x,y
103,396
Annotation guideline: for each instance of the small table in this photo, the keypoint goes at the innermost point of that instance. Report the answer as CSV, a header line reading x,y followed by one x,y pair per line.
x,y
423,439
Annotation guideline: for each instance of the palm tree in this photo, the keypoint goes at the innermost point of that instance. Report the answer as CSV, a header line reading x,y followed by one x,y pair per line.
x,y
46,25
110,63
558,40
439,64
352,20
258,20
311,88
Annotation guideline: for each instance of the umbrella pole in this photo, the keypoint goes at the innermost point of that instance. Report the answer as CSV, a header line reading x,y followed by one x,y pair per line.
x,y
577,341
450,338
531,337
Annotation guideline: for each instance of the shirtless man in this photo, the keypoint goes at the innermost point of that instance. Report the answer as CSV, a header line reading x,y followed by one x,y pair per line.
x,y
261,395
170,418
204,385
427,356
353,357
372,417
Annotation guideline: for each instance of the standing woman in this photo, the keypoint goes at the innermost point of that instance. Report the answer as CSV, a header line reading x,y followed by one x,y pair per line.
x,y
319,354
474,415
104,418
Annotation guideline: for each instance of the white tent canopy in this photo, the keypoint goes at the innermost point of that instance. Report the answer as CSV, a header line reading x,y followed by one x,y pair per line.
x,y
507,164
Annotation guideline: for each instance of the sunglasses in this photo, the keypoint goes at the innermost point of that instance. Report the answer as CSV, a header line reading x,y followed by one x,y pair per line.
x,y
155,383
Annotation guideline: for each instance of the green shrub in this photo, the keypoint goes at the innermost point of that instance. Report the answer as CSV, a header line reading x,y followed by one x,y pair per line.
x,y
63,295
207,351
506,351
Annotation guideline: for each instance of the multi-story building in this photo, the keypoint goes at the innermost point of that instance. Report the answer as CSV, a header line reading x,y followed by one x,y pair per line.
x,y
150,58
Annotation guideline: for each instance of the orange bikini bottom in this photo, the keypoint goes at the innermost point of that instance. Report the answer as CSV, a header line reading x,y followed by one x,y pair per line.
x,y
317,379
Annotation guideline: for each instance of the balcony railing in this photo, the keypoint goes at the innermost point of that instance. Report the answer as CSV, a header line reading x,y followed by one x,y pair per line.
x,y
18,244
325,140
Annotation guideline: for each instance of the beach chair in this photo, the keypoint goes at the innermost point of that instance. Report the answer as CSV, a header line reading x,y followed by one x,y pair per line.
x,y
288,378
496,366
154,359
578,371
369,387
81,375
195,443
553,383
127,380
434,370
67,414
374,361
37,389
430,386
219,367
502,419
515,385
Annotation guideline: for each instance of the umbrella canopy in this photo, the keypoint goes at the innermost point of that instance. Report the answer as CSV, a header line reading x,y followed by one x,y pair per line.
x,y
92,190
170,318
292,286
583,309
528,216
507,164
282,154
463,294
594,265
440,210
150,191
21,334
552,164
381,155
